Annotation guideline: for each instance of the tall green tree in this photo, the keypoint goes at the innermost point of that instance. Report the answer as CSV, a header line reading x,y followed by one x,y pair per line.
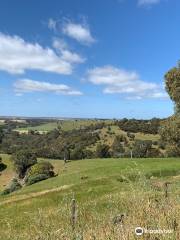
x,y
172,81
170,130
23,160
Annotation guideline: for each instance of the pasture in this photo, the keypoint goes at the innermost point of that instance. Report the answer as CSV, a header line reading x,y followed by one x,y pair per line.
x,y
65,125
103,189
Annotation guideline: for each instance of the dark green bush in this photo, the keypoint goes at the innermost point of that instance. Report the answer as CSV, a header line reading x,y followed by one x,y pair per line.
x,y
23,160
102,151
43,167
13,186
36,178
38,172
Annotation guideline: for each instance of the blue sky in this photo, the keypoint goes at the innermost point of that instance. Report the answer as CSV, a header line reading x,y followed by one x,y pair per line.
x,y
87,58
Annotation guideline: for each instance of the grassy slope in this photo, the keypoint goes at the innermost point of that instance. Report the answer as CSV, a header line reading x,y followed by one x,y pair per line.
x,y
101,193
8,173
66,125
96,168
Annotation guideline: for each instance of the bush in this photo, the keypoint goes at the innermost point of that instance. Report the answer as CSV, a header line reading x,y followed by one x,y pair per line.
x,y
170,136
2,165
102,151
43,167
141,148
38,172
77,153
36,178
23,160
13,186
117,147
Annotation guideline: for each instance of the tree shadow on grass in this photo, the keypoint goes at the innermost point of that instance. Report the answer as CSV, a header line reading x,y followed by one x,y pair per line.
x,y
2,167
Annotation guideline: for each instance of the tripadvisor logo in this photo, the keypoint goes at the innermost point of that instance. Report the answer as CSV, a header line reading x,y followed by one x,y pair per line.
x,y
140,231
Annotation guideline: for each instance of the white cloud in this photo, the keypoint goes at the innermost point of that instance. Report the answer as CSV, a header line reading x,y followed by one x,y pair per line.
x,y
148,2
67,55
17,56
28,85
79,32
127,83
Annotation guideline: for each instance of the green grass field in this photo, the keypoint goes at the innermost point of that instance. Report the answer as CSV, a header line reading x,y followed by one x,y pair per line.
x,y
66,125
103,189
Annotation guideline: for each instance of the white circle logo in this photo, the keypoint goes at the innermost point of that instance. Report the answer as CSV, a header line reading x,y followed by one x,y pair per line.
x,y
139,231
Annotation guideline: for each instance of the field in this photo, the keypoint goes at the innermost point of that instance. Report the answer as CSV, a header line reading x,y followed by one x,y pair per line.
x,y
65,125
113,196
107,133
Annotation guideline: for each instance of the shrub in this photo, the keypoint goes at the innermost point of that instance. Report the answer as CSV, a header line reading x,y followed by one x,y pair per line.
x,y
13,186
117,147
102,151
77,153
43,167
38,172
36,178
170,136
2,165
23,160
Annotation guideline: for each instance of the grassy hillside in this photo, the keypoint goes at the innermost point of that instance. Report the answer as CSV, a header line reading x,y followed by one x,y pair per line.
x,y
8,173
103,189
65,125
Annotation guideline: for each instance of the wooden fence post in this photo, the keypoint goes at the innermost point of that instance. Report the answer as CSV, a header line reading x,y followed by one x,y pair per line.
x,y
73,213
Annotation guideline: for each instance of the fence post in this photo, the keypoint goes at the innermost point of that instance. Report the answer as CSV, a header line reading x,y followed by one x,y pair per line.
x,y
166,188
73,213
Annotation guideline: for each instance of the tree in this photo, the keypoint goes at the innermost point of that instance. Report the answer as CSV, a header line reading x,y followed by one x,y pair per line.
x,y
142,148
172,81
23,160
43,167
170,130
14,185
2,165
170,136
102,151
39,171
1,135
117,147
77,153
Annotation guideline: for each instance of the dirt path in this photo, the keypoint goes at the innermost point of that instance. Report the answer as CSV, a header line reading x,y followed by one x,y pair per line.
x,y
18,198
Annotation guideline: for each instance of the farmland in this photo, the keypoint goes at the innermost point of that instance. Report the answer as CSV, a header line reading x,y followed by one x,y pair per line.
x,y
65,125
111,195
103,189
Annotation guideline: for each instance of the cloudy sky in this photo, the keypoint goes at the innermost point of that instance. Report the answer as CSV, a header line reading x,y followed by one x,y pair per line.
x,y
87,58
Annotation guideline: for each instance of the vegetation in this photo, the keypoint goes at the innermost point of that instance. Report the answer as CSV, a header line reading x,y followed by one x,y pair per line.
x,y
112,187
12,187
143,126
78,143
170,134
172,80
145,149
170,130
39,171
117,146
102,151
23,161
